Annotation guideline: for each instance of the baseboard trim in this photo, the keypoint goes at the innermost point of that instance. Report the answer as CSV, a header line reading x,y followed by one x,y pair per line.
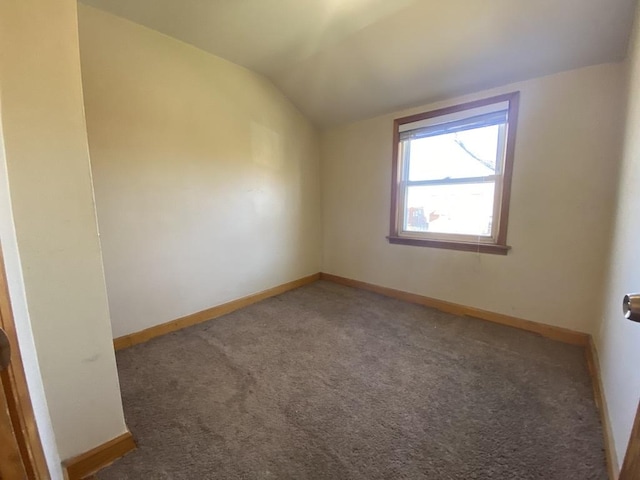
x,y
560,334
593,363
88,463
208,314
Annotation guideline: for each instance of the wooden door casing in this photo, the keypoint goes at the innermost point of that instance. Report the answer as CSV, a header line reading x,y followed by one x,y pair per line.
x,y
11,464
16,402
631,466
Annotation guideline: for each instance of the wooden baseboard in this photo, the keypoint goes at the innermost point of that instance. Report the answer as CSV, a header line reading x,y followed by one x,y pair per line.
x,y
208,314
88,463
593,363
549,331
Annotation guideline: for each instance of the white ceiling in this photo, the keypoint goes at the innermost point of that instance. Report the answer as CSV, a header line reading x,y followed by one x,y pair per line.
x,y
342,60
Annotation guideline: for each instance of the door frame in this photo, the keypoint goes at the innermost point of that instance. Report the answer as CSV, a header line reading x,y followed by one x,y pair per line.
x,y
14,382
631,466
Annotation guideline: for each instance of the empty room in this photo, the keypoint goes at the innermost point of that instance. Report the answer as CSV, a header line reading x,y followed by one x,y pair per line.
x,y
321,239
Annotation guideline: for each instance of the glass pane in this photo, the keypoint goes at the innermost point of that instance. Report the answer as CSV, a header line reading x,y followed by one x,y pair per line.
x,y
470,153
460,209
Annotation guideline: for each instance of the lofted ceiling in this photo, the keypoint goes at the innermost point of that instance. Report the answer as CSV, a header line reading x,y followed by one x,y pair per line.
x,y
343,60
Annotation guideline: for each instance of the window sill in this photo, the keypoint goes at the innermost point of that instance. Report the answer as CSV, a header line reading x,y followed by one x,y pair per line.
x,y
451,245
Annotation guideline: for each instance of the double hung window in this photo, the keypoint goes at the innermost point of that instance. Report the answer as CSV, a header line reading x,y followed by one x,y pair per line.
x,y
452,176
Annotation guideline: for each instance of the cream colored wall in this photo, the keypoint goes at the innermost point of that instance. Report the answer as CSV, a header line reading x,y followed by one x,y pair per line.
x,y
618,340
206,177
562,197
15,284
49,231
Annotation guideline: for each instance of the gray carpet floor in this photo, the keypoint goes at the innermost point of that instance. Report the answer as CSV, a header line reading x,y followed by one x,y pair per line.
x,y
330,382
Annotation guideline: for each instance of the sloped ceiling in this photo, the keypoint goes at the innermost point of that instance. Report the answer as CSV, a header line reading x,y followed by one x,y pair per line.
x,y
343,60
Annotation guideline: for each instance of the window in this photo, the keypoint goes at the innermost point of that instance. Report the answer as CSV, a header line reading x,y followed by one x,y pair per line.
x,y
452,176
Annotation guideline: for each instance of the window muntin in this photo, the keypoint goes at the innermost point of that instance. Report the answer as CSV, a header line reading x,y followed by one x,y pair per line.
x,y
452,172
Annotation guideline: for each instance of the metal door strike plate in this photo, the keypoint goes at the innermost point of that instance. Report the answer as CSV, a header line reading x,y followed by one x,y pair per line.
x,y
5,350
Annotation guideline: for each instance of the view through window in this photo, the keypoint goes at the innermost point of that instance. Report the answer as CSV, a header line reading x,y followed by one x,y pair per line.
x,y
453,171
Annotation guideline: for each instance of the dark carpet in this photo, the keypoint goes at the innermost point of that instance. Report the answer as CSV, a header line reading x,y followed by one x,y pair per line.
x,y
330,382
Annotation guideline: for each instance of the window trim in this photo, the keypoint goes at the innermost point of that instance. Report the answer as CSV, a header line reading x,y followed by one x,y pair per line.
x,y
499,247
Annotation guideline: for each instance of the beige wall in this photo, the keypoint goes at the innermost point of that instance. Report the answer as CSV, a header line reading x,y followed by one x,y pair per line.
x,y
49,231
13,269
562,197
207,182
206,177
618,340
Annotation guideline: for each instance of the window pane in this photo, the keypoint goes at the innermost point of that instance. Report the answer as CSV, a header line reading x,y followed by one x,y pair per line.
x,y
470,153
463,209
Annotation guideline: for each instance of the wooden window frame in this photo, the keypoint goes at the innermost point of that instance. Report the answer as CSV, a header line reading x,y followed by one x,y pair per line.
x,y
499,246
